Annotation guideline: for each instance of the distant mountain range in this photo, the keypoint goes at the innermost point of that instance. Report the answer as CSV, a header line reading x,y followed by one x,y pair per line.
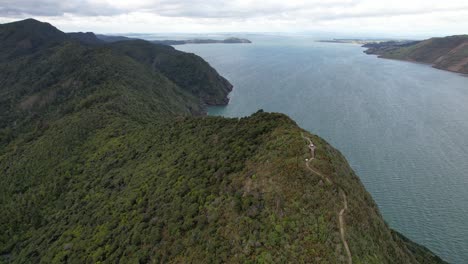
x,y
448,53
203,41
91,38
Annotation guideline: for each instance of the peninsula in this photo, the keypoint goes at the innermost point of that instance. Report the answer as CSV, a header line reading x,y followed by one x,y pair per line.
x,y
448,53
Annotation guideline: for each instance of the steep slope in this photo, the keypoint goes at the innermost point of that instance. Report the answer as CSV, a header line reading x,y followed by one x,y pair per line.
x,y
105,159
449,53
188,71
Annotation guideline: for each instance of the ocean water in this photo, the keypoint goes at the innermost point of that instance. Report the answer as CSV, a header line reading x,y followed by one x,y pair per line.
x,y
402,126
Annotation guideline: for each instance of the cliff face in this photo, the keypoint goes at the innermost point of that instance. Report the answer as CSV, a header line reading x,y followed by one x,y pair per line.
x,y
104,157
449,53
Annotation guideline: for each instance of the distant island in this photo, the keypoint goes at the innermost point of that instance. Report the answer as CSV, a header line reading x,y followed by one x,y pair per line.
x,y
448,53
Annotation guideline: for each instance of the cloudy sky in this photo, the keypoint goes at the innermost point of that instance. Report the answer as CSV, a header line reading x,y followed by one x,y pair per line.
x,y
365,17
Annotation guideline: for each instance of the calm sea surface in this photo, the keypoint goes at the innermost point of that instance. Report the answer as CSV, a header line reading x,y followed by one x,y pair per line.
x,y
402,126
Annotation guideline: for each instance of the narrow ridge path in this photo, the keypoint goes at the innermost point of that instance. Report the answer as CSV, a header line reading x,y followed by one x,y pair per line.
x,y
312,154
342,227
311,147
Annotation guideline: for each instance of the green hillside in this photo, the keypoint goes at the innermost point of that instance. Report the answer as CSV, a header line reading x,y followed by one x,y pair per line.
x,y
448,53
28,36
106,156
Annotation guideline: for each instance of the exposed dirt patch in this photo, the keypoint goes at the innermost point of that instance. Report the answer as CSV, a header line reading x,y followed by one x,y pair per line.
x,y
459,66
37,100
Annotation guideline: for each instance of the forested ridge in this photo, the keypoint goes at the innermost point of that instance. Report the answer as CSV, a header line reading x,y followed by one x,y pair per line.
x,y
107,156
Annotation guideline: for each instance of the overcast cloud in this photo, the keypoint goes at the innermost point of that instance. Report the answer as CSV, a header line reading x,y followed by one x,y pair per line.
x,y
397,17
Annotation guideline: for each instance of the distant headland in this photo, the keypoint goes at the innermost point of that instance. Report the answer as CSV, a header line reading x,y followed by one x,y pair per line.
x,y
361,41
447,53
